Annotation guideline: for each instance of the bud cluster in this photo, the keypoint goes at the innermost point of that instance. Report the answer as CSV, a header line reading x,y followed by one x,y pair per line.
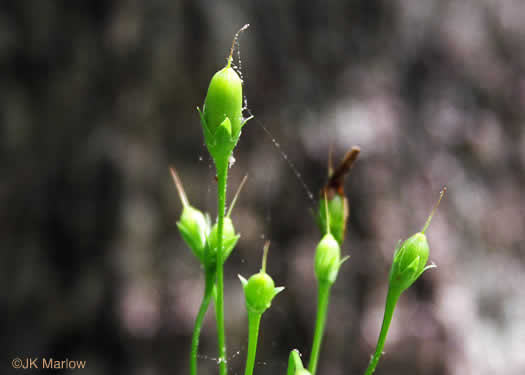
x,y
196,230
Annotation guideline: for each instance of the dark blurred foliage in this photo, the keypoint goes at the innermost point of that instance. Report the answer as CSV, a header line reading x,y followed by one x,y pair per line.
x,y
98,98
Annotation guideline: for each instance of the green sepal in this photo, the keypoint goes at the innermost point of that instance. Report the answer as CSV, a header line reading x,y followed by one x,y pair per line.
x,y
208,134
345,258
243,122
277,290
220,144
427,268
243,280
229,245
413,267
223,143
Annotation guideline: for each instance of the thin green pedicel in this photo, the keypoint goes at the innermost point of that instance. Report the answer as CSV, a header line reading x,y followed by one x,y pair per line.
x,y
323,298
208,292
254,320
222,175
390,305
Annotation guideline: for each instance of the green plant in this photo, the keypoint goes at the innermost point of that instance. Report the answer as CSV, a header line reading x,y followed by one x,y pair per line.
x,y
194,227
332,218
259,291
222,122
410,261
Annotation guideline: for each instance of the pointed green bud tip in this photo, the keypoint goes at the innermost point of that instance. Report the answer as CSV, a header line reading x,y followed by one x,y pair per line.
x,y
229,240
410,261
259,291
327,259
194,228
337,211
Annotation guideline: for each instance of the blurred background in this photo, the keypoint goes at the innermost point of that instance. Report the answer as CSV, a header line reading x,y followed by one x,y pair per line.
x,y
98,98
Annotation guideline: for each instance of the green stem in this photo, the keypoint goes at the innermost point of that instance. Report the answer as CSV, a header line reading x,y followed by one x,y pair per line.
x,y
254,320
222,176
323,298
391,300
294,362
208,289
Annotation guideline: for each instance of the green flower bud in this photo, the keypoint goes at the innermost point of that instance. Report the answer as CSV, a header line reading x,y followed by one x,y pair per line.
x,y
410,261
302,372
194,227
260,289
221,116
229,240
224,100
333,208
327,259
337,209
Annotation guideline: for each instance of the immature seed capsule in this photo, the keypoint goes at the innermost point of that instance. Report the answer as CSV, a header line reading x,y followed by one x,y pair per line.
x,y
337,209
410,262
260,289
221,116
333,202
229,239
224,100
194,228
193,225
327,259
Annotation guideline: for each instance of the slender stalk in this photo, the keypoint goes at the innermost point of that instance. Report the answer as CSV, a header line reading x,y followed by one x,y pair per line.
x,y
391,300
208,291
294,362
323,297
222,176
254,320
